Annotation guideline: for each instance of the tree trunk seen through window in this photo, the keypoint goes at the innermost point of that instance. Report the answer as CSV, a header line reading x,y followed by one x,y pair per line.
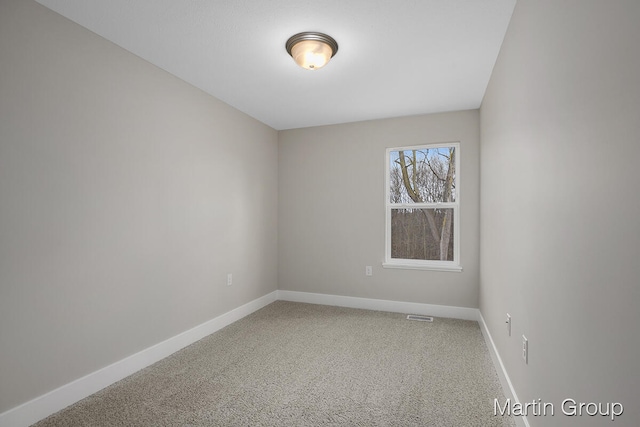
x,y
418,177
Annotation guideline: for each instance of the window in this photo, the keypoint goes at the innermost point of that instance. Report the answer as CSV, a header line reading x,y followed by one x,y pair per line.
x,y
423,207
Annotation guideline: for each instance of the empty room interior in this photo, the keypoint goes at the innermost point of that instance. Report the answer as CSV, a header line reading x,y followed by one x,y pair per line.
x,y
172,180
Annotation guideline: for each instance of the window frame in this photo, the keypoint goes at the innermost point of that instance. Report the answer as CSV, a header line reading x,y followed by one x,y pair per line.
x,y
414,264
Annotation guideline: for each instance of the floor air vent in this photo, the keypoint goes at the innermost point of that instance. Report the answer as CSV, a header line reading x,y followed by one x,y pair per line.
x,y
420,318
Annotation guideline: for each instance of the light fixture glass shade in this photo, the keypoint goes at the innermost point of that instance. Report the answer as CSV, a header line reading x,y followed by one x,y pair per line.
x,y
311,54
311,50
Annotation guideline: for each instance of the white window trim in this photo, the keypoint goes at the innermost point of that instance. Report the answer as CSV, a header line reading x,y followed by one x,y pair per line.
x,y
413,264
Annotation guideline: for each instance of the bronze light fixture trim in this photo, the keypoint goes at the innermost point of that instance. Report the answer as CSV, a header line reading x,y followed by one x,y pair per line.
x,y
311,50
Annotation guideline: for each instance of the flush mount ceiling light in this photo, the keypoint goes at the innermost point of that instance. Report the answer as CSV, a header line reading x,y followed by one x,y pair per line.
x,y
311,50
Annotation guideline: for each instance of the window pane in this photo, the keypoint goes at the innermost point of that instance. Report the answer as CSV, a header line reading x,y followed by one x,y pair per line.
x,y
425,234
422,176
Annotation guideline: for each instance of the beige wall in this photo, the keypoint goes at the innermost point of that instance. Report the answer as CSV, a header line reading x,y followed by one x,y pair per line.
x,y
560,215
331,210
126,196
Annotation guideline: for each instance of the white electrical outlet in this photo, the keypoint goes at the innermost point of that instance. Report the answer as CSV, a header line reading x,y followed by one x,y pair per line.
x,y
229,279
509,324
525,349
368,270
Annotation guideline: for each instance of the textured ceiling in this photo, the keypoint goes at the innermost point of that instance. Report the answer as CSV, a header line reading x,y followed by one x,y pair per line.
x,y
395,58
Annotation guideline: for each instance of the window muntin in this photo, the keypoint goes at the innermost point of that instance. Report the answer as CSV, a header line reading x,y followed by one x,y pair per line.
x,y
422,206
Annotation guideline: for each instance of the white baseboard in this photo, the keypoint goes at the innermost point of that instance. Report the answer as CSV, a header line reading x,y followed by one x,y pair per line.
x,y
381,305
52,402
507,386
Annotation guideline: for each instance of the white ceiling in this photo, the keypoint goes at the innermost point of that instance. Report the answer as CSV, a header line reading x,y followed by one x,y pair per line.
x,y
395,57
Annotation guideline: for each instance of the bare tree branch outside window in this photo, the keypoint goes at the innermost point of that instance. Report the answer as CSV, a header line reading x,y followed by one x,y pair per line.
x,y
423,176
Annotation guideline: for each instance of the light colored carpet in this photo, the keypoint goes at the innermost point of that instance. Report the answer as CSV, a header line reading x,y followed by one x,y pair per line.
x,y
294,364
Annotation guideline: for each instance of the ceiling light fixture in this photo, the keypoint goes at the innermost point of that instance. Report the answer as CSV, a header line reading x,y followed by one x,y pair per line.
x,y
311,50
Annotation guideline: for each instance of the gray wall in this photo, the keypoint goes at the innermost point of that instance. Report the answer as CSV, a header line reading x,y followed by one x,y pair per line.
x,y
126,196
331,210
560,211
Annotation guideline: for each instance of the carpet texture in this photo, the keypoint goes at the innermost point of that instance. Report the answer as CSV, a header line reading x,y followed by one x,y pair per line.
x,y
294,364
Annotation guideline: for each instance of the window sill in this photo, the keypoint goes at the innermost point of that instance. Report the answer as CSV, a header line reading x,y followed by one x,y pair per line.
x,y
421,266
